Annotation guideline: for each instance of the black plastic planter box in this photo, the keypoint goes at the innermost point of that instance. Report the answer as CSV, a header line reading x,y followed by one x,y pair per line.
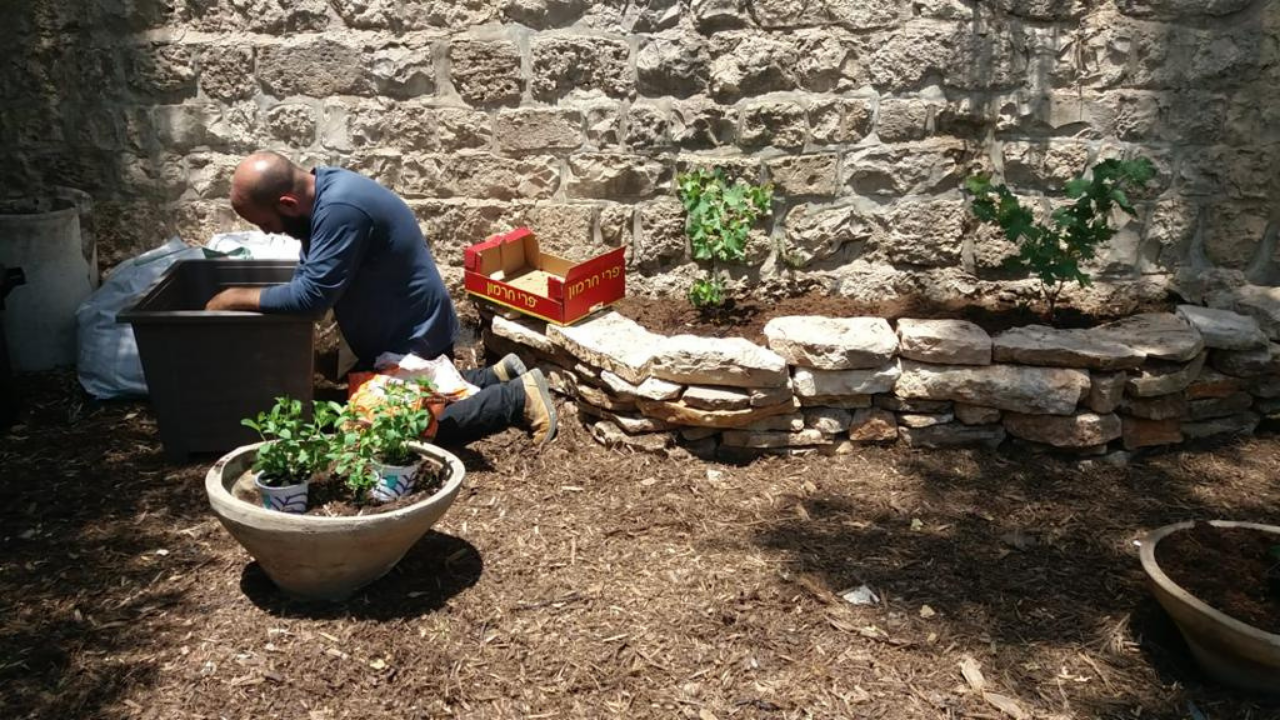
x,y
206,371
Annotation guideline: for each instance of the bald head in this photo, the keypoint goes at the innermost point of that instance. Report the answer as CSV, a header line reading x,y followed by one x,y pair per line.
x,y
271,192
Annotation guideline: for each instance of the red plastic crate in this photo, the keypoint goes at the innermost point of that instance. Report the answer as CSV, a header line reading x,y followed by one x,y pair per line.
x,y
510,270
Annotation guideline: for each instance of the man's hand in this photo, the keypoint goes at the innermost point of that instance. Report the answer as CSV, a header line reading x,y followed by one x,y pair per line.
x,y
235,298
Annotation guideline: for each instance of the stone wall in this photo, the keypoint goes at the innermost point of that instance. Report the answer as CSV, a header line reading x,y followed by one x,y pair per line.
x,y
574,117
828,385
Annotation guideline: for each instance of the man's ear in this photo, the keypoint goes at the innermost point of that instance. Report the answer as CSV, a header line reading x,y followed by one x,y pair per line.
x,y
289,205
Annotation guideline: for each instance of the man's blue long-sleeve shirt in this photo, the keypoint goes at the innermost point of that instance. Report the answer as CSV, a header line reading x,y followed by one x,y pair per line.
x,y
366,258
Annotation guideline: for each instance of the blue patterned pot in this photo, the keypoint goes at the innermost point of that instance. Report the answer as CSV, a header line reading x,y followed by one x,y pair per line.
x,y
286,498
394,481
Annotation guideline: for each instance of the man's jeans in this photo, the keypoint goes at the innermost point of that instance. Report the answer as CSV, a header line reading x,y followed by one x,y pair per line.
x,y
495,408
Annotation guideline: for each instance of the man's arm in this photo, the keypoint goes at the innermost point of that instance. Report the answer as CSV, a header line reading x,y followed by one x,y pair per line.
x,y
339,239
236,298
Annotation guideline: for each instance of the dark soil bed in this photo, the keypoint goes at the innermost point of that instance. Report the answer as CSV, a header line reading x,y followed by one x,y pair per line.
x,y
582,582
1233,570
747,318
329,495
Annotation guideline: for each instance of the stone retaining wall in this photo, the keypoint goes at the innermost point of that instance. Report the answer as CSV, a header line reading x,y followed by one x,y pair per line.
x,y
574,117
827,385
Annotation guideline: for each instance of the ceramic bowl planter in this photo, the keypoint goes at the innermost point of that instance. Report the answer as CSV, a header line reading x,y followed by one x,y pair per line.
x,y
1232,652
321,557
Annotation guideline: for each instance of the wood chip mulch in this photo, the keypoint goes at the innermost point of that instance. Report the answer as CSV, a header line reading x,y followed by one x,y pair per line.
x,y
585,582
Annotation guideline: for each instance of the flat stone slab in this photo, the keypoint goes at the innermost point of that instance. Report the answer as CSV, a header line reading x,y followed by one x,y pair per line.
x,y
608,434
1224,329
603,400
831,421
808,382
832,343
1164,378
628,422
912,405
920,421
1084,430
1242,424
678,413
1267,386
873,425
1212,384
1211,408
1140,432
791,422
1043,345
1162,407
716,398
525,332
953,435
944,342
651,389
747,439
1105,391
1245,363
848,402
976,414
735,362
610,342
1016,388
1260,302
1161,336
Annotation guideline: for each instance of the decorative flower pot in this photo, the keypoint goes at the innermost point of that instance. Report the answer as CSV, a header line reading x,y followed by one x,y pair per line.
x,y
284,498
1232,652
394,482
320,557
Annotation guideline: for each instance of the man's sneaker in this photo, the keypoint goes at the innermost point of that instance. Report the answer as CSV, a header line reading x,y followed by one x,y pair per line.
x,y
509,368
539,410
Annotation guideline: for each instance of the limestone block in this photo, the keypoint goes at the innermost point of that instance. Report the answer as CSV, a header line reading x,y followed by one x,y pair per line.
x,y
1223,329
366,14
743,438
590,395
648,127
716,398
699,123
1140,432
775,123
804,174
209,174
629,422
917,49
976,414
919,231
1039,165
1210,408
1180,8
661,237
873,425
694,434
1042,345
829,421
930,166
294,123
1160,336
616,222
315,66
717,361
1212,384
616,175
1064,431
749,64
912,405
611,342
1160,407
532,129
678,66
846,402
791,422
1106,390
841,122
832,343
651,389
1031,390
680,414
1242,424
810,383
923,421
163,69
711,15
1162,378
797,13
486,72
567,63
816,232
1259,302
481,174
1266,386
953,435
182,127
944,342
448,14
402,70
609,434
226,73
1245,363
903,119
760,397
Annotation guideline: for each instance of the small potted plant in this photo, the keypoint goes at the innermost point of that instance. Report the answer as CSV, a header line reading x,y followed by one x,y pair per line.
x,y
296,449
372,453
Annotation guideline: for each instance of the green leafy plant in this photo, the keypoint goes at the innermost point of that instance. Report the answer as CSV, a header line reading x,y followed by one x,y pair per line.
x,y
381,438
719,216
1054,251
296,448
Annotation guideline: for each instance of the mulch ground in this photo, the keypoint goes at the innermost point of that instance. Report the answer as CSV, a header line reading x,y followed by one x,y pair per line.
x,y
585,582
